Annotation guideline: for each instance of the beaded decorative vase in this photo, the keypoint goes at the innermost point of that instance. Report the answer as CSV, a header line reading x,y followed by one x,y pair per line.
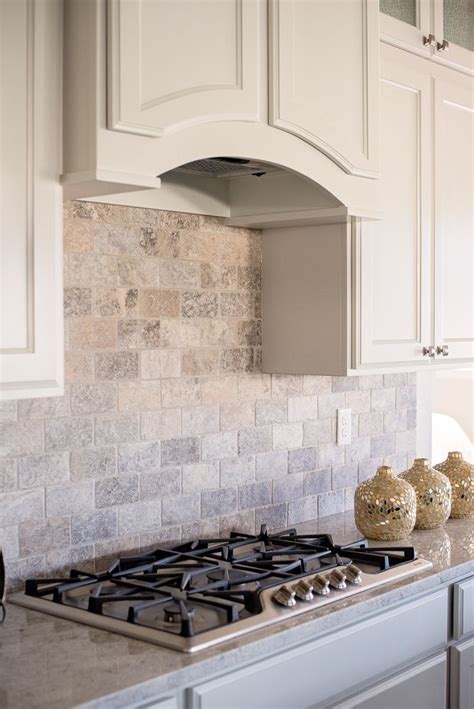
x,y
385,506
461,477
433,494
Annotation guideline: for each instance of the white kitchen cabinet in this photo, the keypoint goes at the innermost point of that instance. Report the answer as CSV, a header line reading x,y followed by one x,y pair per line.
x,y
177,64
324,75
31,330
442,30
415,269
423,686
454,217
462,675
393,298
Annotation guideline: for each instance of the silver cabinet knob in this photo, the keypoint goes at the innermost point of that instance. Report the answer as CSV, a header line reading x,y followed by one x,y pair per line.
x,y
442,46
428,351
442,350
429,41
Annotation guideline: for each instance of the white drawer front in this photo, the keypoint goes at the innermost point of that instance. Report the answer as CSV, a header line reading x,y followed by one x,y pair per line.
x,y
463,618
312,674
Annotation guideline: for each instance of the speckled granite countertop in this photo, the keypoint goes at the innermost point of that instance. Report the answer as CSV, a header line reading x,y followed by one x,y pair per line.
x,y
49,662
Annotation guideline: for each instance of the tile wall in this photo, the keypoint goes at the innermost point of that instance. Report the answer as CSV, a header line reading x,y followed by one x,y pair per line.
x,y
168,430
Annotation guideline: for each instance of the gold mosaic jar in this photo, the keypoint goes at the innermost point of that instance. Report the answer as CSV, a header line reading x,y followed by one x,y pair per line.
x,y
433,494
461,477
385,506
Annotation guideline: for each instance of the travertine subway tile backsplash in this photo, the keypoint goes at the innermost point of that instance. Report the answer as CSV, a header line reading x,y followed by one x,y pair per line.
x,y
168,430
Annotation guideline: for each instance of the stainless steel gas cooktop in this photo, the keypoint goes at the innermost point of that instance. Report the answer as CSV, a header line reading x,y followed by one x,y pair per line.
x,y
196,594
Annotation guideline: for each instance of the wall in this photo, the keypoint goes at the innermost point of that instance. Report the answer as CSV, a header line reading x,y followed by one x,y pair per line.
x,y
168,430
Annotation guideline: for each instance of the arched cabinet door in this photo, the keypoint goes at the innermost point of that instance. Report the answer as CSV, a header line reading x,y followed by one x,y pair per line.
x,y
323,77
176,64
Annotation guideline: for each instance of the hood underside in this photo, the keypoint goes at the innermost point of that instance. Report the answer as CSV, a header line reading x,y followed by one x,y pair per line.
x,y
225,167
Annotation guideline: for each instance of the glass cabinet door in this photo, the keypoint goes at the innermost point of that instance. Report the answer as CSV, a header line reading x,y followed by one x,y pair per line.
x,y
458,21
403,10
454,31
406,23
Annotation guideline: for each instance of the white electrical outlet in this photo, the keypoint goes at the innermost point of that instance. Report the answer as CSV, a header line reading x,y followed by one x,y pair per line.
x,y
344,426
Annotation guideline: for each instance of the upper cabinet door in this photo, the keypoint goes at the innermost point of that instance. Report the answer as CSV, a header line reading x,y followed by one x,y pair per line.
x,y
174,64
323,77
394,258
407,24
31,294
454,217
454,31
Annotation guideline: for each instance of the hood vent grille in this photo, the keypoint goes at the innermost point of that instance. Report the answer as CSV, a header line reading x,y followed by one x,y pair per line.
x,y
227,167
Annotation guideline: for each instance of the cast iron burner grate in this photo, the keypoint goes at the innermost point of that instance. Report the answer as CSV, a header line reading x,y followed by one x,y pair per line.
x,y
198,586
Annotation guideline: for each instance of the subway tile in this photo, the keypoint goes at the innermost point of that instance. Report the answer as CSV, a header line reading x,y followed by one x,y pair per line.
x,y
237,471
69,498
139,396
218,390
200,476
160,424
285,385
77,302
397,379
237,360
274,516
21,438
159,303
269,411
93,463
68,433
180,274
302,459
181,392
200,420
358,401
43,408
329,403
255,440
110,492
330,503
218,502
39,470
137,272
139,458
180,450
254,386
93,398
138,334
303,510
383,399
78,367
395,420
199,304
90,334
317,482
116,428
184,508
313,384
40,537
236,415
344,384
288,488
90,270
359,449
157,364
250,333
243,521
317,432
287,435
116,366
94,526
345,476
9,544
200,361
8,411
255,495
116,302
302,408
237,305
162,483
139,516
271,465
219,445
22,506
406,397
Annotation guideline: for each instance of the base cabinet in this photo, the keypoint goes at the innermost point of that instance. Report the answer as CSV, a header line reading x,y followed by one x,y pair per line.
x,y
423,686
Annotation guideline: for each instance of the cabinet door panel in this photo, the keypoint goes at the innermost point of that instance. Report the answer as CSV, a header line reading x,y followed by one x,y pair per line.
x,y
454,218
175,64
462,676
394,265
324,68
423,686
31,324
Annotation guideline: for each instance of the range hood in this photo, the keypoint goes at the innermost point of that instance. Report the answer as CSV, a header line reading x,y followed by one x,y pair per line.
x,y
226,167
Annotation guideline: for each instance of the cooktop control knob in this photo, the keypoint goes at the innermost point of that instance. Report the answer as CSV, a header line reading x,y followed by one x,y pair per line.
x,y
303,590
353,574
285,596
320,585
337,579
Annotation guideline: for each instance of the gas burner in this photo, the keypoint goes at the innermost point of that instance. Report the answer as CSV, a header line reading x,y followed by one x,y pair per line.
x,y
173,613
198,593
